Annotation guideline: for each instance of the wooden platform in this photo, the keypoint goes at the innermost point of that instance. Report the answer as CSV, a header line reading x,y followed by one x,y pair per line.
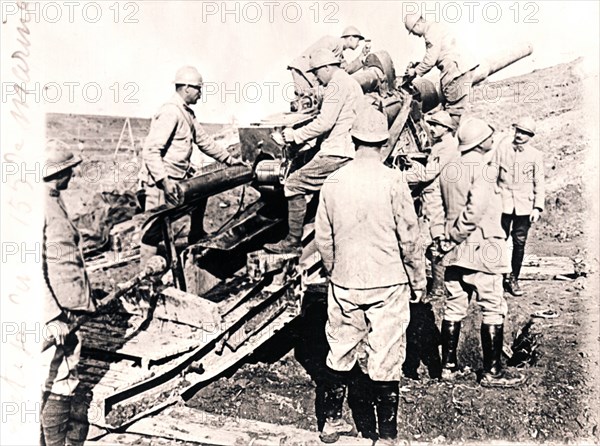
x,y
184,425
546,268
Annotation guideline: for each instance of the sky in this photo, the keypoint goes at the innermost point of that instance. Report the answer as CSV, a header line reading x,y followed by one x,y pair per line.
x,y
119,58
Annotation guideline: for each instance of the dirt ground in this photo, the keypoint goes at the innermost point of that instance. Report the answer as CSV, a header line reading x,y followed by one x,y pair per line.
x,y
559,403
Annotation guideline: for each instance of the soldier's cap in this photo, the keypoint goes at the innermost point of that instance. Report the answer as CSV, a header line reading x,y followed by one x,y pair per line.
x,y
442,118
525,124
370,126
322,57
352,31
58,159
472,132
411,20
188,75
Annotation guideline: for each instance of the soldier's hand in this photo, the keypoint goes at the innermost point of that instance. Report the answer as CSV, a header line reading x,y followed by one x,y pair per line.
x,y
534,216
417,296
367,48
433,250
288,135
235,161
411,72
171,191
58,330
446,246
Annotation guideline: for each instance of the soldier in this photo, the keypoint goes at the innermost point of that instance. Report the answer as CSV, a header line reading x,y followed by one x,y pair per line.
x,y
475,251
456,70
333,123
522,187
367,233
444,149
167,151
67,292
422,335
304,78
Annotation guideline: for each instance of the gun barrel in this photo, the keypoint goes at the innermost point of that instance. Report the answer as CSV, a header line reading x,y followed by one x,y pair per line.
x,y
213,183
500,61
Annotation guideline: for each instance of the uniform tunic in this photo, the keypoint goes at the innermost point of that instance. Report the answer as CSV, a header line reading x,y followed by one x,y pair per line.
x,y
168,147
66,288
442,153
367,233
521,177
472,205
342,98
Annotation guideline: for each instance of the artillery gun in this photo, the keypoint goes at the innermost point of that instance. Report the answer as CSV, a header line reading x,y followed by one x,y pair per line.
x,y
234,294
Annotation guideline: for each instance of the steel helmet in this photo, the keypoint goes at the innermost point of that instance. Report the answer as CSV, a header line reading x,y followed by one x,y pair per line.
x,y
472,132
526,123
352,31
322,57
370,126
58,159
188,75
410,21
442,118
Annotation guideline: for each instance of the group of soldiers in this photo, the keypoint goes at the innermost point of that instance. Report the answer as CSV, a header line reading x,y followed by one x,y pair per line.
x,y
479,190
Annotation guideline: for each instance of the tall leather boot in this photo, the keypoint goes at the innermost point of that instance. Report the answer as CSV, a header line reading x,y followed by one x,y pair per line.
x,y
388,394
55,419
362,404
334,393
493,375
292,243
450,335
518,255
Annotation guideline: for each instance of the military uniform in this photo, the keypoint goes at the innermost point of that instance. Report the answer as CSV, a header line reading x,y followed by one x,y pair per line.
x,y
442,153
456,67
476,252
341,100
472,207
66,290
167,152
367,233
521,182
368,236
304,79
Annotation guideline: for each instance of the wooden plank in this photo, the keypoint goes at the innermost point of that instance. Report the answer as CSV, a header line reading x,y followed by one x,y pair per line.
x,y
179,306
215,364
546,268
186,424
157,342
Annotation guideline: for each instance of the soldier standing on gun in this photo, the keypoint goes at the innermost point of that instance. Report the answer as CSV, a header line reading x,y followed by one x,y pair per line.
x,y
521,182
167,152
67,292
456,70
367,233
475,251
